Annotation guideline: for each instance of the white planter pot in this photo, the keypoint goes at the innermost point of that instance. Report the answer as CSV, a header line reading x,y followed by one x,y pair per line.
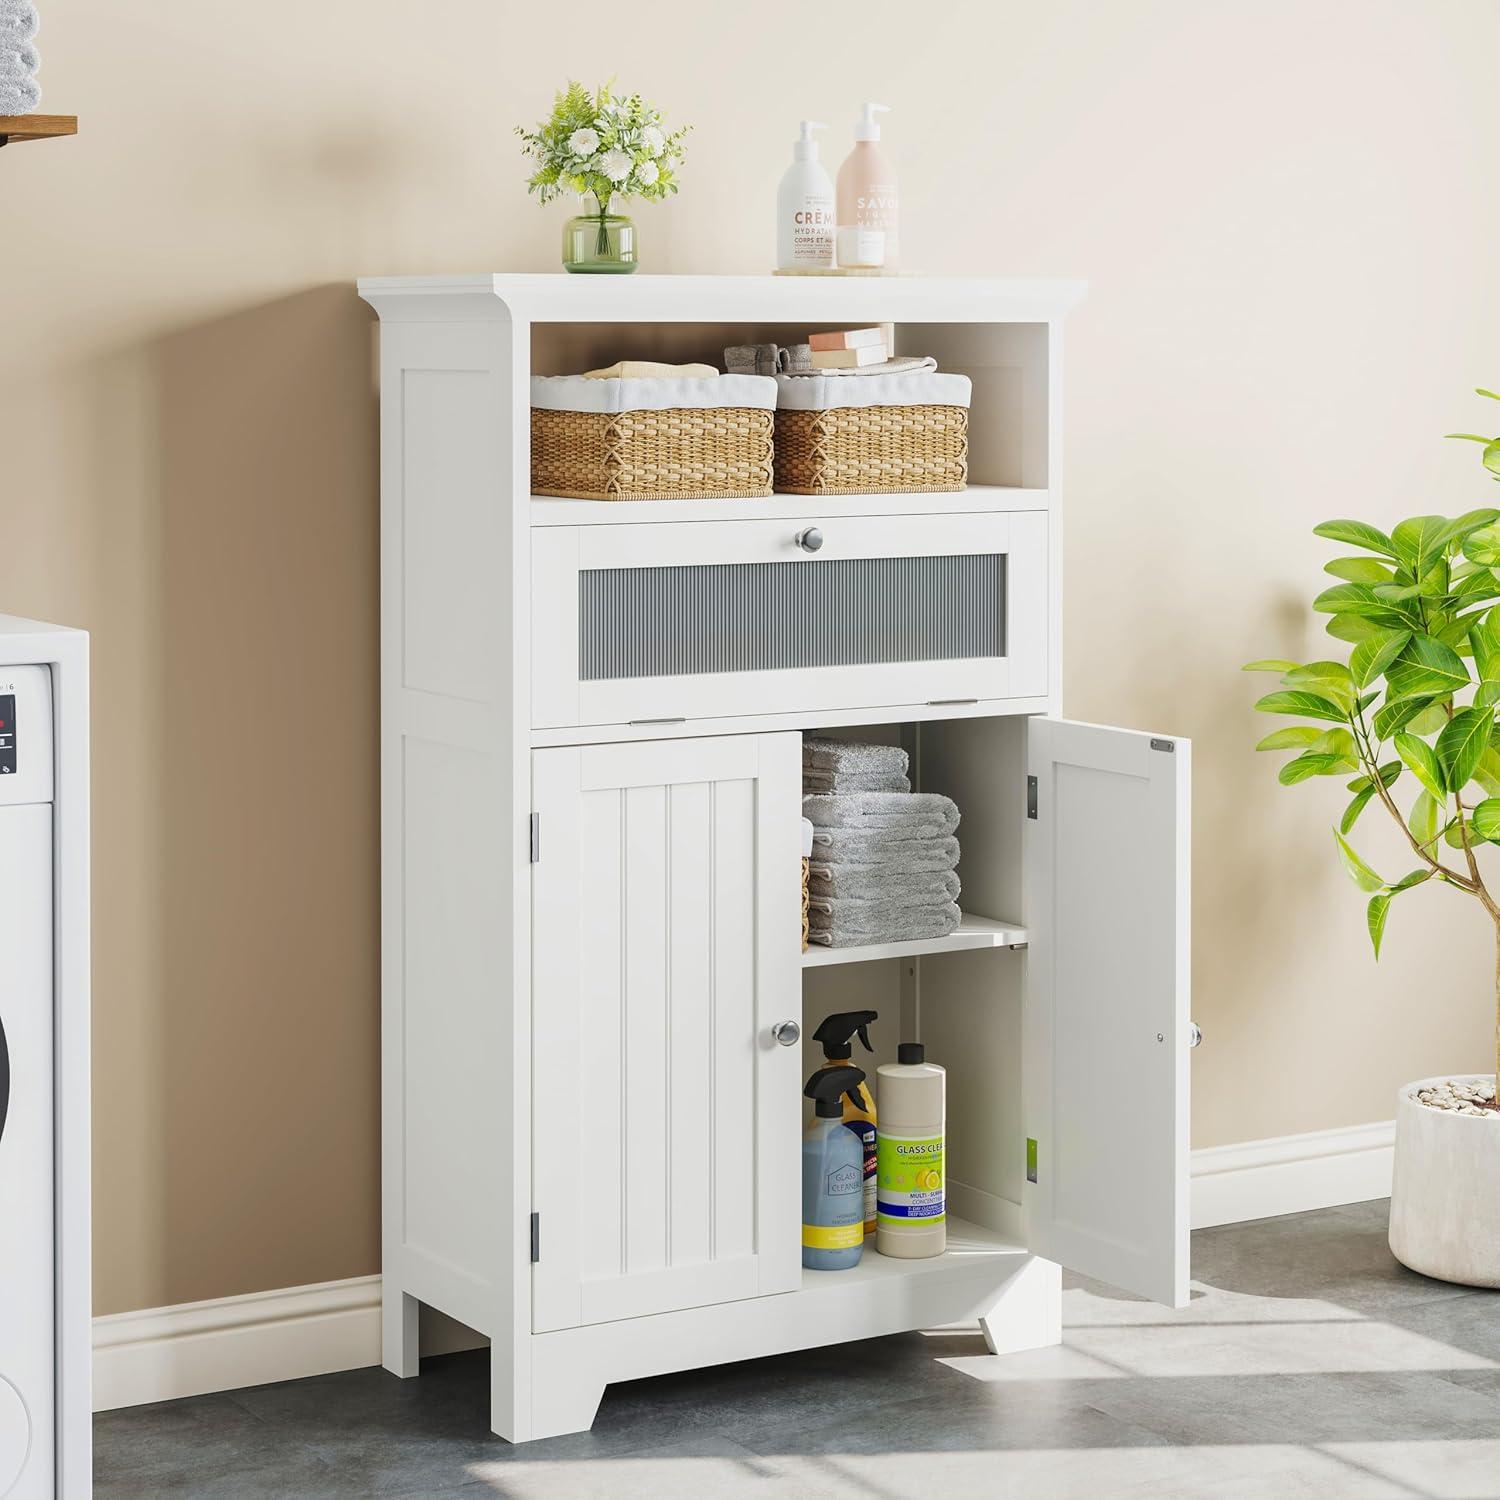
x,y
1445,1196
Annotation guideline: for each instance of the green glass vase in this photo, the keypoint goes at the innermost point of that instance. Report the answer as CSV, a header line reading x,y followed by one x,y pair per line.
x,y
600,243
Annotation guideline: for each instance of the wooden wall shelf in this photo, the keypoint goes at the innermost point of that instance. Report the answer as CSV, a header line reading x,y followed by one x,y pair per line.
x,y
35,127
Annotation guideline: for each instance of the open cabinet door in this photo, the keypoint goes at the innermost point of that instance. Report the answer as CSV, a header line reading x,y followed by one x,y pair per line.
x,y
1106,1025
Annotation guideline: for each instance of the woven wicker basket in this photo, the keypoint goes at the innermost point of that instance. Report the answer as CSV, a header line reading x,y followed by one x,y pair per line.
x,y
857,450
805,901
680,453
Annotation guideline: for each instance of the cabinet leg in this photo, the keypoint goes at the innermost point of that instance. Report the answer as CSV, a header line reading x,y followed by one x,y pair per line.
x,y
400,1319
563,1399
1028,1312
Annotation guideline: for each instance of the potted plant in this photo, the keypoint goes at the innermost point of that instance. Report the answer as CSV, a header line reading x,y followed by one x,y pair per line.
x,y
603,146
1411,719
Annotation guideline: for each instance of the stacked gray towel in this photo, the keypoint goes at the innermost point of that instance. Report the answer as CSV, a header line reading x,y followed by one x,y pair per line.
x,y
19,91
884,857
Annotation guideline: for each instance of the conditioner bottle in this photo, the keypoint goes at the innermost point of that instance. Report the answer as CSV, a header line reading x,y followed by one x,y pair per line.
x,y
911,1218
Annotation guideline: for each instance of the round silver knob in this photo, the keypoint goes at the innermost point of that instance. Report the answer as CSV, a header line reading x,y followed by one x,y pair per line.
x,y
1195,1036
810,539
788,1033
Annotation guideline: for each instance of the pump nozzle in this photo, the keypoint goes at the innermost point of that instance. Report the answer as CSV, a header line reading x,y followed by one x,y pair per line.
x,y
836,1030
866,128
826,1086
805,148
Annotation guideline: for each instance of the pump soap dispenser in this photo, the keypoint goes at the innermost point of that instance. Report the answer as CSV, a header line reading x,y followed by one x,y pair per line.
x,y
836,1033
804,208
833,1228
867,206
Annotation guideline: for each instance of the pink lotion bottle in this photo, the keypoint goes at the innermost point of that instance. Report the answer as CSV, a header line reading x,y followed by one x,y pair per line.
x,y
867,205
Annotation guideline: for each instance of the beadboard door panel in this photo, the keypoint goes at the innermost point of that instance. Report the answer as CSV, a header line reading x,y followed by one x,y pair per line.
x,y
665,935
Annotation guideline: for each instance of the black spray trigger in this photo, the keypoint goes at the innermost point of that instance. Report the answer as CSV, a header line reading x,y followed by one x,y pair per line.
x,y
864,1036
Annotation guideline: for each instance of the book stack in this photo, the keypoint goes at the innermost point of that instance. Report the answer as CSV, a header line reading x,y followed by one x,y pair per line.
x,y
850,349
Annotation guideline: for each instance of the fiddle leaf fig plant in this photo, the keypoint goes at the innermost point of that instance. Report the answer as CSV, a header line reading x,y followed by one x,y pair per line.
x,y
1412,717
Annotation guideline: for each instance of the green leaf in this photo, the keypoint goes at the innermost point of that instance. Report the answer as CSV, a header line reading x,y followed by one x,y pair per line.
x,y
1351,628
1486,820
1469,522
1293,737
1419,542
1357,534
1270,664
1359,570
1374,654
1388,773
1488,694
1425,668
1336,742
1426,819
1375,914
1483,546
1453,835
1419,755
1306,705
1416,877
1479,390
1355,808
1464,739
1359,872
1432,716
1397,713
1488,774
1468,437
1491,457
1331,679
1343,598
1314,765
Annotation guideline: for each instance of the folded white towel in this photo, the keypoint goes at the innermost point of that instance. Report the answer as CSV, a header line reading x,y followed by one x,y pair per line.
x,y
899,814
18,59
19,96
850,846
18,22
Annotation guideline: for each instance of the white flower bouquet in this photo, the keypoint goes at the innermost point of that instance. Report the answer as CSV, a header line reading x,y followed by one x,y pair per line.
x,y
607,144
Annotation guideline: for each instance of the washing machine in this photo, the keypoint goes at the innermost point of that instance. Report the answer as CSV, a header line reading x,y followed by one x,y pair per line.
x,y
43,961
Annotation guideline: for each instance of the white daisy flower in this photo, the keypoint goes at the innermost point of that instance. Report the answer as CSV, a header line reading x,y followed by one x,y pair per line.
x,y
583,142
673,162
615,165
647,173
654,141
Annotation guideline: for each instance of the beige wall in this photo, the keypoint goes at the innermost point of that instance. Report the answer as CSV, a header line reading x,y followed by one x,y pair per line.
x,y
1287,214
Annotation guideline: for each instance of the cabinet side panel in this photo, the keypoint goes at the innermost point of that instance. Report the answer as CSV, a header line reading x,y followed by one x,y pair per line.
x,y
448,540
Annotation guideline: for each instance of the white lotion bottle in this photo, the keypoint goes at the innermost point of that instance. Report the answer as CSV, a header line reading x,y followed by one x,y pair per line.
x,y
867,203
805,208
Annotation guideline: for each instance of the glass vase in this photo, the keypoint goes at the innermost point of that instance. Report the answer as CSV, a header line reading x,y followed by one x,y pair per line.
x,y
601,242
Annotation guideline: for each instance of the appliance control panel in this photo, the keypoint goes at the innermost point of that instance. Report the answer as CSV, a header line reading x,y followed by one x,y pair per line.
x,y
26,769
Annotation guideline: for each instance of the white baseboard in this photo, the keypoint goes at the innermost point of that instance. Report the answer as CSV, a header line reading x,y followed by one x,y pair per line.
x,y
1290,1174
230,1342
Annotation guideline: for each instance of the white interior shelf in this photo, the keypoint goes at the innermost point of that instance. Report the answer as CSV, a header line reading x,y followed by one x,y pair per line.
x,y
549,510
972,932
967,1244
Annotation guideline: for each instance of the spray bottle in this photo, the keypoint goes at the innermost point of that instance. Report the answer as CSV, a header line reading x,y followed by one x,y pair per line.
x,y
836,1035
833,1231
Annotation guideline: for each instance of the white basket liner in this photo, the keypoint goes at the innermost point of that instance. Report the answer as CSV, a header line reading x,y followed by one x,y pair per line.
x,y
825,392
574,393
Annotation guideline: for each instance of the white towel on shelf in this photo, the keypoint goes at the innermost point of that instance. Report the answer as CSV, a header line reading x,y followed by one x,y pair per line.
x,y
838,756
19,96
18,22
852,926
18,59
833,782
869,882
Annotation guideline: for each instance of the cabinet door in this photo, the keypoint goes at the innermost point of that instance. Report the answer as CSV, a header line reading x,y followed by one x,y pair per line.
x,y
1106,1012
665,938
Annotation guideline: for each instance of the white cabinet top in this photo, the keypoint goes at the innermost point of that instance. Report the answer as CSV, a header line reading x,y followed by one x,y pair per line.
x,y
559,297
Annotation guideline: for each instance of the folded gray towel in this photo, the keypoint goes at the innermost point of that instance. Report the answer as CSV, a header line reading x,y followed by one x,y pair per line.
x,y
839,756
850,846
902,815
18,23
852,929
833,782
869,882
19,96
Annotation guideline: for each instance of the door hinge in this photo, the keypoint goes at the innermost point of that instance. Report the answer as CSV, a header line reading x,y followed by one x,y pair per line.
x,y
535,838
1031,796
1166,745
536,1237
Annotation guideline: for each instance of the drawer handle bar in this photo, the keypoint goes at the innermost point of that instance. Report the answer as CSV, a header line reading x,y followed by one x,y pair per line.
x,y
680,719
950,702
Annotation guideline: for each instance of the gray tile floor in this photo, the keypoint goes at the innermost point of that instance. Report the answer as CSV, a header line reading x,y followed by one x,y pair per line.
x,y
1309,1363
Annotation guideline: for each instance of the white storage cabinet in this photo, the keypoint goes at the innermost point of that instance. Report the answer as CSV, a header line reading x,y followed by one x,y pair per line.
x,y
591,721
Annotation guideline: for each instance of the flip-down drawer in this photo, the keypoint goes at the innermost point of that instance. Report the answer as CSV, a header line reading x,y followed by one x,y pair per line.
x,y
725,618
